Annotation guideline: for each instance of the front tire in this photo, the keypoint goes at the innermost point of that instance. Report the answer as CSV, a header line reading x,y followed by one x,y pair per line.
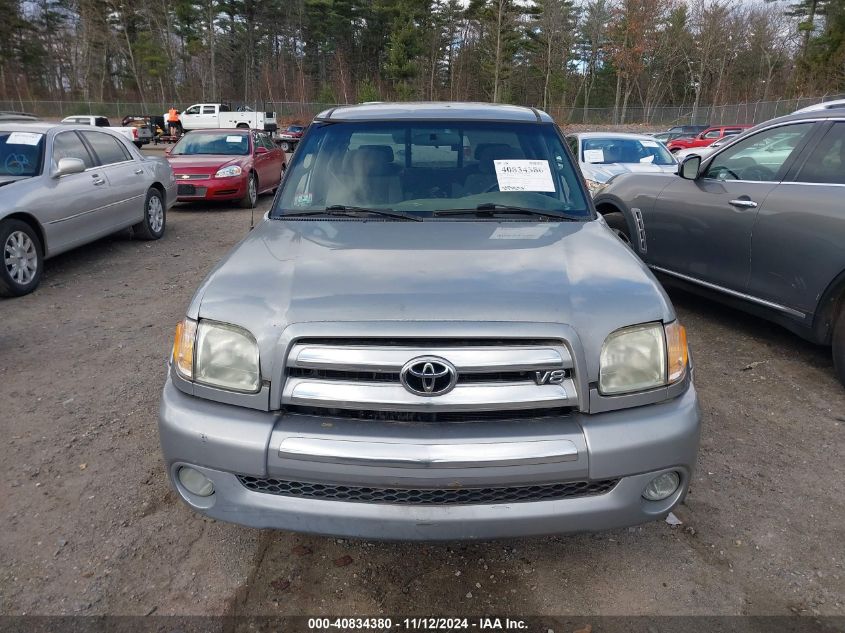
x,y
155,217
250,198
839,343
23,259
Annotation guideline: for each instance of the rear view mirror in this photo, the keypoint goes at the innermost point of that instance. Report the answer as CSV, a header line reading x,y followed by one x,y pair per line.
x,y
689,167
67,166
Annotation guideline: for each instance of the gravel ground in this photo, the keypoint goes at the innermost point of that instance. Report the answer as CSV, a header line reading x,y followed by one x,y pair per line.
x,y
91,526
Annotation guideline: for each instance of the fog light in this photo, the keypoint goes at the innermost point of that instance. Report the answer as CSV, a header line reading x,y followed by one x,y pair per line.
x,y
662,486
195,482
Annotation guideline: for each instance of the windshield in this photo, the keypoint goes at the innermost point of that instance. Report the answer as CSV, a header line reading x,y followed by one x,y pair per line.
x,y
21,153
295,128
604,151
423,167
218,143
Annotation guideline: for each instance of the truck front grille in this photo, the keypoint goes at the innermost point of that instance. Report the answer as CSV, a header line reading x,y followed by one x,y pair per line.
x,y
493,375
448,496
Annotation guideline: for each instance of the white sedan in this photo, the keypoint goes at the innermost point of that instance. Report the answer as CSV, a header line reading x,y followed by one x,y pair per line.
x,y
603,155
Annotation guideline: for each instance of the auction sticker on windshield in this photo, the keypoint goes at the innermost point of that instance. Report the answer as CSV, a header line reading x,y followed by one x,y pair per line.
x,y
23,138
524,175
594,155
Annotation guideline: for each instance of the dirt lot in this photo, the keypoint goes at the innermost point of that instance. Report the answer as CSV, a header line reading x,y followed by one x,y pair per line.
x,y
90,525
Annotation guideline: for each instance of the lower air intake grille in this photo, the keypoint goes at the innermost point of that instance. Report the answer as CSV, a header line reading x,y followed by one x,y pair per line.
x,y
457,496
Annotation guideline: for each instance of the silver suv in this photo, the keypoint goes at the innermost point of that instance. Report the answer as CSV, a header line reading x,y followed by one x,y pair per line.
x,y
432,335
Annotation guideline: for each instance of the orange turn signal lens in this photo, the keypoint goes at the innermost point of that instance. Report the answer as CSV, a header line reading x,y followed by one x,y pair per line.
x,y
183,347
677,354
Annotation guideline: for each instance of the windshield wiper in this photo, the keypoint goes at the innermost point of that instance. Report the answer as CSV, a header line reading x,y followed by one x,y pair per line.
x,y
490,209
355,212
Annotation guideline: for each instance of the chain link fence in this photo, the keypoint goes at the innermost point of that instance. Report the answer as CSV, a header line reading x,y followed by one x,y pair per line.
x,y
301,112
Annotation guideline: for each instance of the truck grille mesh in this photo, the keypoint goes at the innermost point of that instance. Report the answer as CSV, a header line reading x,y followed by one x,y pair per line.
x,y
449,496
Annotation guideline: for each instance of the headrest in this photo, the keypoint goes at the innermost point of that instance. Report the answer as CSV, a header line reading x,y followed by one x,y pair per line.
x,y
380,153
374,160
486,153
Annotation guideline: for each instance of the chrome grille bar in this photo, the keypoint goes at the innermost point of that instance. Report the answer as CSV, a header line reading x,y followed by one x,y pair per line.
x,y
389,397
465,359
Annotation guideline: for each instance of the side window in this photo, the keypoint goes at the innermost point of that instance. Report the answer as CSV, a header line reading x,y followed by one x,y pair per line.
x,y
101,121
69,145
759,157
827,162
193,110
225,108
713,134
572,141
208,109
108,149
267,141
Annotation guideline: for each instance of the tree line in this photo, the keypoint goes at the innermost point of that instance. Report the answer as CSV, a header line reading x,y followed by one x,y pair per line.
x,y
548,53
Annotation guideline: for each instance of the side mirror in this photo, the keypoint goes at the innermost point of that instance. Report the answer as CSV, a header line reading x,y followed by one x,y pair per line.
x,y
261,150
67,166
689,167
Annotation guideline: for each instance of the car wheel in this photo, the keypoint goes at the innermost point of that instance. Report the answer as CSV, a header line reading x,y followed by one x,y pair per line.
x,y
839,343
285,146
155,217
251,197
616,221
22,262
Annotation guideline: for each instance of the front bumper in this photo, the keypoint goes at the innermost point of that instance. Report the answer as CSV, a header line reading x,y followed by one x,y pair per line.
x,y
633,445
211,189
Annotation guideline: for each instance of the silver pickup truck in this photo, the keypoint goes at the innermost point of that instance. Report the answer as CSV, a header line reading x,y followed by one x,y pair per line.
x,y
431,335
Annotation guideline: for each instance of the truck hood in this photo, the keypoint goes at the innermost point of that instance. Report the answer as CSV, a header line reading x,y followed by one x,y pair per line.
x,y
295,271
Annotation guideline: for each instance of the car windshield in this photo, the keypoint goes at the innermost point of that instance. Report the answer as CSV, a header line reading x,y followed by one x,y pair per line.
x,y
420,168
295,128
607,150
219,143
21,153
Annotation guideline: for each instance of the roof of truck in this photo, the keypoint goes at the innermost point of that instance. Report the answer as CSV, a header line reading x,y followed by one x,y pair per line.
x,y
434,110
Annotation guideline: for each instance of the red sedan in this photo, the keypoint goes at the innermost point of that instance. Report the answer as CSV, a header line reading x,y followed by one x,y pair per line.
x,y
226,165
705,138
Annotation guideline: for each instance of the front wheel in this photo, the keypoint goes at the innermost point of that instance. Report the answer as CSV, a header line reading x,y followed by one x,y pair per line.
x,y
251,196
285,146
20,273
155,217
839,343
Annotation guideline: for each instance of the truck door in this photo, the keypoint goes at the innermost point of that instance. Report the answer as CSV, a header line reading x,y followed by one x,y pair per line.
x,y
191,118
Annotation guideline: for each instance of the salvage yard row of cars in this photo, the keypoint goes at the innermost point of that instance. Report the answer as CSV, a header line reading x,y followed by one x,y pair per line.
x,y
105,185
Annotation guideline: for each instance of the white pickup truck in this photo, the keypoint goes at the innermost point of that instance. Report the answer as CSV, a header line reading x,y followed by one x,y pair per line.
x,y
207,116
140,136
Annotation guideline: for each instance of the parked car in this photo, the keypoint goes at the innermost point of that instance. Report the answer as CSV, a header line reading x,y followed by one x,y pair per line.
x,y
226,165
824,105
684,131
61,187
759,223
212,116
706,137
706,150
290,136
440,346
139,136
603,155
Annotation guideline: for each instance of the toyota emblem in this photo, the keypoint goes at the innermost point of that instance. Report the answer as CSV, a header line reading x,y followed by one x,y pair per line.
x,y
429,376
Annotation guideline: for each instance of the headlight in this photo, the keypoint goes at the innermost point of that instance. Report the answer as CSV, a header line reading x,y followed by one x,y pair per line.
x,y
595,186
228,172
218,355
642,357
